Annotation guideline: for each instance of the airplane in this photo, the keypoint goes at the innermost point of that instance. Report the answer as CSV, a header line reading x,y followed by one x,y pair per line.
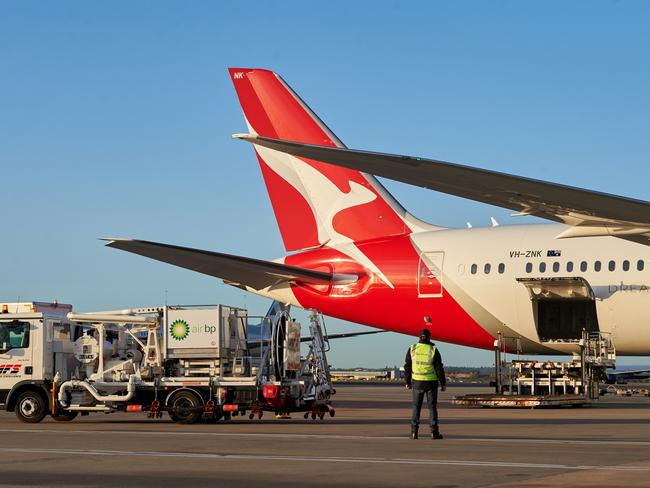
x,y
354,253
622,377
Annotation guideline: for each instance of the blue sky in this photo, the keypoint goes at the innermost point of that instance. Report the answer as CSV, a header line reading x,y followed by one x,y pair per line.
x,y
115,120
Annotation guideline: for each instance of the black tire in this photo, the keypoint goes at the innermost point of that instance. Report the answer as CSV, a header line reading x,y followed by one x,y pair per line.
x,y
185,407
64,416
31,407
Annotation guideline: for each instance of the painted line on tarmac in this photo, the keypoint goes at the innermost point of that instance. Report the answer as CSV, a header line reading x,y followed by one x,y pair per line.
x,y
322,459
523,440
267,435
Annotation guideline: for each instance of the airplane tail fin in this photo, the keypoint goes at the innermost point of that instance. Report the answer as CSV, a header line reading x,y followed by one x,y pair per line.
x,y
315,203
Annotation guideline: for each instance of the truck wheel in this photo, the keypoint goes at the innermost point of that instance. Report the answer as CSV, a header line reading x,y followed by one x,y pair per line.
x,y
185,407
31,407
64,416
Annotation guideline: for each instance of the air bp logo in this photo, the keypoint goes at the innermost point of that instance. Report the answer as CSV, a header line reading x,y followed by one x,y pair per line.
x,y
179,330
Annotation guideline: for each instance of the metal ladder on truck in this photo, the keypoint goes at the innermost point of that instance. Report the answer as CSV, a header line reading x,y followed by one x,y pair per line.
x,y
322,387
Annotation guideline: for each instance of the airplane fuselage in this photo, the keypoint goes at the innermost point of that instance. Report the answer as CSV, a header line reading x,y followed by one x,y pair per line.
x,y
467,285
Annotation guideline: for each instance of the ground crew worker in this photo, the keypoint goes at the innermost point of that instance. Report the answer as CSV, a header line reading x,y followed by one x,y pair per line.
x,y
423,372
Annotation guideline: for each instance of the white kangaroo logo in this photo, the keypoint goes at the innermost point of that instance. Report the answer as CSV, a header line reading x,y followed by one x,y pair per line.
x,y
325,199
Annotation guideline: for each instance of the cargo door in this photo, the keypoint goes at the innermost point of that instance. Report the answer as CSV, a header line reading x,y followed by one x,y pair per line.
x,y
430,274
562,308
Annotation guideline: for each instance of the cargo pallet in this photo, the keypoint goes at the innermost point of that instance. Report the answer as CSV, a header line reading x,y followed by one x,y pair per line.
x,y
520,401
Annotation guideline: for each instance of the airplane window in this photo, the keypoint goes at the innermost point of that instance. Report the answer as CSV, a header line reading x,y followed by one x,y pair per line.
x,y
473,269
597,266
556,267
583,266
640,264
529,267
502,268
542,267
487,268
626,265
569,267
612,266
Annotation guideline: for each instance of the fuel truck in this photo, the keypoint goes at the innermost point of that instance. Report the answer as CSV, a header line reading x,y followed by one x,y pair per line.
x,y
194,362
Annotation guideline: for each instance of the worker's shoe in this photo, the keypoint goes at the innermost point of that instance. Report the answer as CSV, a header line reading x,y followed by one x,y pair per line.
x,y
435,433
414,431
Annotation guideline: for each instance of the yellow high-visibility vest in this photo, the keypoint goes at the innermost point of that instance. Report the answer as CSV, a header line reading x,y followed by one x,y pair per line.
x,y
422,362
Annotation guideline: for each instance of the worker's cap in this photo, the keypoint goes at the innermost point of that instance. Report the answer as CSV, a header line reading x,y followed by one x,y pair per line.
x,y
425,334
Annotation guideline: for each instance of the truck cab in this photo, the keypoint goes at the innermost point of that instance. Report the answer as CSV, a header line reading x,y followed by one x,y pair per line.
x,y
35,341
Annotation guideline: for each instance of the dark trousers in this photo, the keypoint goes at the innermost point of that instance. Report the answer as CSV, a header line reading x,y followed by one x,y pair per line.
x,y
420,390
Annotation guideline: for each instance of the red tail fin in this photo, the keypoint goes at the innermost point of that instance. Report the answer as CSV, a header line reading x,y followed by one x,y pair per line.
x,y
314,202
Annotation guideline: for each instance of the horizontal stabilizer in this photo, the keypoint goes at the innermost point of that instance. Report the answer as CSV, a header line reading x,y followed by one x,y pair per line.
x,y
254,273
346,335
255,335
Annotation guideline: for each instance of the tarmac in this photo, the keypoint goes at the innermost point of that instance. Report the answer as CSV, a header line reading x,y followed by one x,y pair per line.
x,y
366,444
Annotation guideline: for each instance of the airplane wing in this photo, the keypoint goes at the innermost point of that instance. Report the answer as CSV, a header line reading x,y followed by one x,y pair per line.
x,y
234,270
590,213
